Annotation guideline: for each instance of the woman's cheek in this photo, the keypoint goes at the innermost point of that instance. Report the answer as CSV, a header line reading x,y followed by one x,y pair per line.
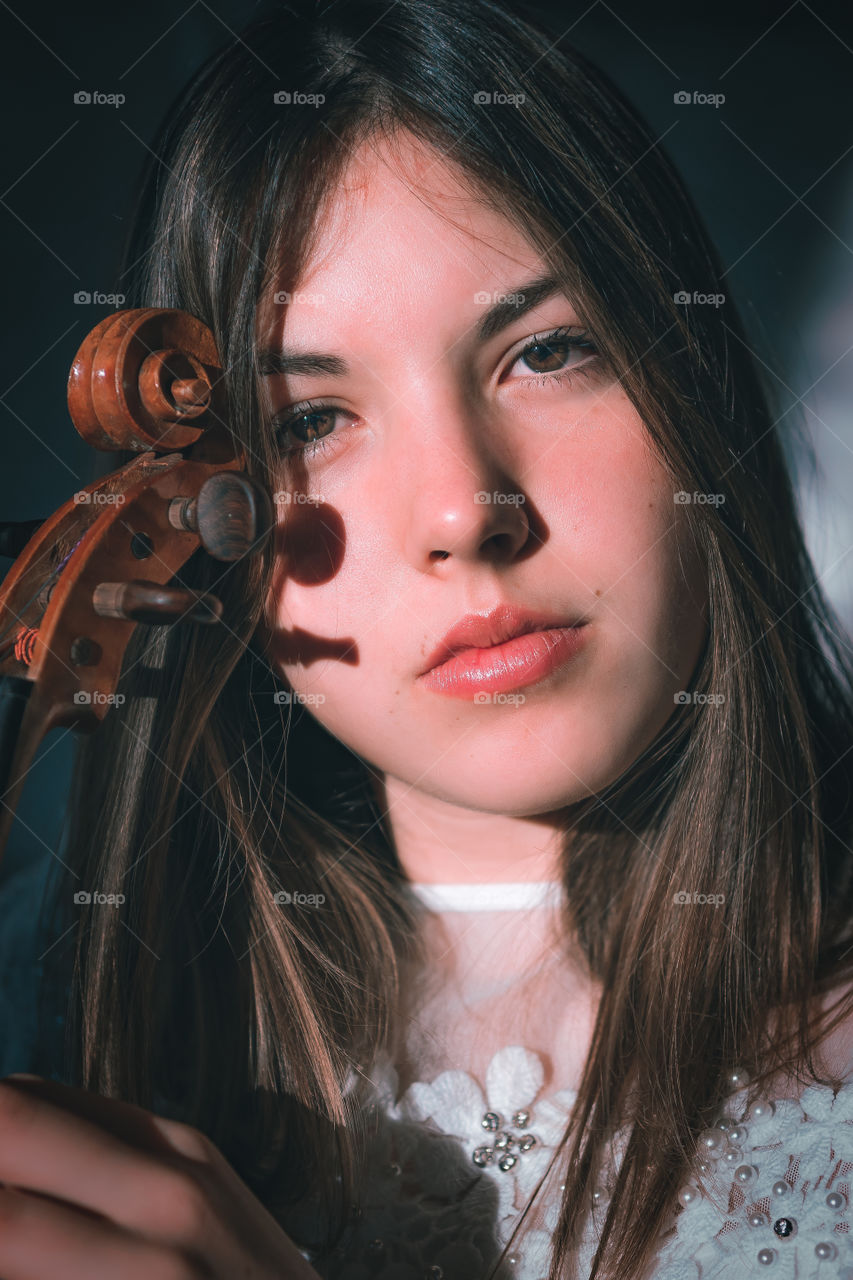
x,y
628,552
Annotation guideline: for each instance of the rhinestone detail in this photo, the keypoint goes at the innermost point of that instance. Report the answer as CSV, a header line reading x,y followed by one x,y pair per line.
x,y
505,1145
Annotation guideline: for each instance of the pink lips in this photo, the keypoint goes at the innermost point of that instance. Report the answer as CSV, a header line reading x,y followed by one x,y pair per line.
x,y
506,649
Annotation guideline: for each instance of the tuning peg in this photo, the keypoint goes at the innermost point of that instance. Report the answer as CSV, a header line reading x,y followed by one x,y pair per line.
x,y
141,601
232,515
15,534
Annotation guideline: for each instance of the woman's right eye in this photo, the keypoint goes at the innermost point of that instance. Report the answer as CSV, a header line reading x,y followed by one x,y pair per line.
x,y
312,425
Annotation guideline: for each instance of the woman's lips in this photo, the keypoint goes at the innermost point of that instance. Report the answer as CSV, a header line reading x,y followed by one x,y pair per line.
x,y
511,665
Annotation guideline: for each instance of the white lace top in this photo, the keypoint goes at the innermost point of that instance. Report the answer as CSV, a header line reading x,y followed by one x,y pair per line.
x,y
467,1115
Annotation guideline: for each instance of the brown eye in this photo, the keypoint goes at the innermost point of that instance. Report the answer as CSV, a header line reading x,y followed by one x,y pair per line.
x,y
303,428
317,425
549,355
546,356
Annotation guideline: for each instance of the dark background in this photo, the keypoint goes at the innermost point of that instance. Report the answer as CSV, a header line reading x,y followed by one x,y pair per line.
x,y
771,170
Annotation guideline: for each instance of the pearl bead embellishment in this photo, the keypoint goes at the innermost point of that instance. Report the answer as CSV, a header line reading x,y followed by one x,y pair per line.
x,y
712,1140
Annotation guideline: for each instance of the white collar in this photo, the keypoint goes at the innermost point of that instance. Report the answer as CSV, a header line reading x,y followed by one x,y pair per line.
x,y
511,896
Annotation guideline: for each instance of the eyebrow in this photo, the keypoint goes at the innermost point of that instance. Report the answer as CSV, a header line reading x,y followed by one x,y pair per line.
x,y
512,305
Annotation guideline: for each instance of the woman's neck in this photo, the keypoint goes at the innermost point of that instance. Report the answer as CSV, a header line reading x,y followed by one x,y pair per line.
x,y
440,843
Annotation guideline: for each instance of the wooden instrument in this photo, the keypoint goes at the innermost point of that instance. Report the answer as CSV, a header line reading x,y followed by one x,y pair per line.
x,y
147,380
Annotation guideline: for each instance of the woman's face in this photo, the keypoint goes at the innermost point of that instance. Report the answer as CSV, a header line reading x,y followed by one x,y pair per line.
x,y
389,541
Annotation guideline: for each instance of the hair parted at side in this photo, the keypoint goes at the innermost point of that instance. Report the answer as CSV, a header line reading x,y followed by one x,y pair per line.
x,y
202,796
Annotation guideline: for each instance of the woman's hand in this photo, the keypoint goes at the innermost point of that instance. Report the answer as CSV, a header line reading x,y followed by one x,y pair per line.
x,y
94,1189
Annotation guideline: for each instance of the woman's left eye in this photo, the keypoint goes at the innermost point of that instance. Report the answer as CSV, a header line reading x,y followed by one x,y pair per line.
x,y
552,352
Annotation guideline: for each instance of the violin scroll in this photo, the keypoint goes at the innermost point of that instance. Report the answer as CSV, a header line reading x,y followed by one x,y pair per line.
x,y
144,379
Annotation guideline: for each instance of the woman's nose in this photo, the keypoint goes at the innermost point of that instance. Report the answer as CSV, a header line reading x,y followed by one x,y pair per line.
x,y
458,499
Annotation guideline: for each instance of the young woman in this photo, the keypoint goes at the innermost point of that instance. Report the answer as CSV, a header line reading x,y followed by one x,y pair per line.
x,y
487,873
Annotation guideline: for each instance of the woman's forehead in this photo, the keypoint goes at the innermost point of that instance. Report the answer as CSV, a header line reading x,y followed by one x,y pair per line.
x,y
404,190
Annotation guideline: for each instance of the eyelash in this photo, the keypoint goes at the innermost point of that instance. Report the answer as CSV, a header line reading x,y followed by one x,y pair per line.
x,y
307,408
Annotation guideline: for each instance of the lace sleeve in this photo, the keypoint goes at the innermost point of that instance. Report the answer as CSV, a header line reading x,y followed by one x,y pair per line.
x,y
773,1196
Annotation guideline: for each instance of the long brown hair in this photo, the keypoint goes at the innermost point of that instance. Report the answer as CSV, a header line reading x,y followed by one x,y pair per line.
x,y
202,796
